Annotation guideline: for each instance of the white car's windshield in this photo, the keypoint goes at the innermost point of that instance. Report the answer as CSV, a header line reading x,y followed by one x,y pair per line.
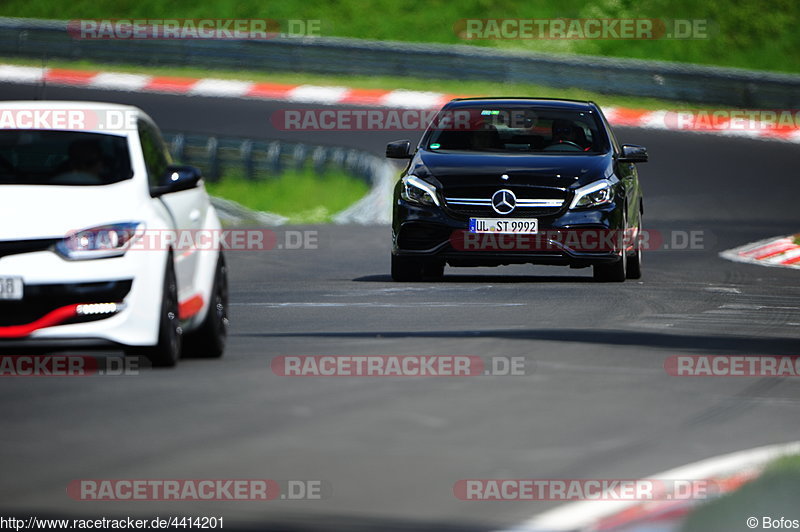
x,y
34,157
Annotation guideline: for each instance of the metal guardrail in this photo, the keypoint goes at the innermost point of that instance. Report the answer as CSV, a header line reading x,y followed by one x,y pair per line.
x,y
261,160
673,81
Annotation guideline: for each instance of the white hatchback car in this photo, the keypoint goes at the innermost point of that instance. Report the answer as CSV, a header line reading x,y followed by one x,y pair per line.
x,y
91,208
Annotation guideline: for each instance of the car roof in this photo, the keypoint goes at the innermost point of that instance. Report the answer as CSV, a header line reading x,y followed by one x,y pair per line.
x,y
578,105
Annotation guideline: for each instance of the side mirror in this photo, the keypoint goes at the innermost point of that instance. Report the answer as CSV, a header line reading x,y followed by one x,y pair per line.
x,y
177,177
399,149
631,153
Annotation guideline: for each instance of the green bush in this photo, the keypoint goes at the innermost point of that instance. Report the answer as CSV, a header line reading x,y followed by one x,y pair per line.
x,y
301,196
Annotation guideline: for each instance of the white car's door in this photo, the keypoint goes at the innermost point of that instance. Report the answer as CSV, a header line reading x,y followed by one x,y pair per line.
x,y
188,209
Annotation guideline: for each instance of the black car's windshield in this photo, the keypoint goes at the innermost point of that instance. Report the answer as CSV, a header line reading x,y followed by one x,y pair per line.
x,y
517,128
34,157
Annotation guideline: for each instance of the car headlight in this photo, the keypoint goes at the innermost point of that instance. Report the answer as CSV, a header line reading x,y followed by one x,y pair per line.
x,y
104,241
593,195
415,190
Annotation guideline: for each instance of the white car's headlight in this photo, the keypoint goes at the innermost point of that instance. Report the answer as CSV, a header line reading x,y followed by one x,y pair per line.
x,y
415,190
104,241
593,195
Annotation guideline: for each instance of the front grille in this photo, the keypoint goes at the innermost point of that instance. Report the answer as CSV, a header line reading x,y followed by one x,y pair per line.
x,y
16,247
40,299
489,212
421,236
531,201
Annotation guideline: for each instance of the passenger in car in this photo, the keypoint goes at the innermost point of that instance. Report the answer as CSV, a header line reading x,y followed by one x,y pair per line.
x,y
486,138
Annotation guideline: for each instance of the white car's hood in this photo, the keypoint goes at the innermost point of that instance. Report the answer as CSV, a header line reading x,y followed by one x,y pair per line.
x,y
44,211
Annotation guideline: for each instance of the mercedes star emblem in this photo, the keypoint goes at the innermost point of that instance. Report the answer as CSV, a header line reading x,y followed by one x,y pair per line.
x,y
504,201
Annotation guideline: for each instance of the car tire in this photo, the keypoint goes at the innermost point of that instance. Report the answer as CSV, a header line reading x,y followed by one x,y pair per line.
x,y
168,349
633,269
208,340
411,269
433,269
406,269
612,272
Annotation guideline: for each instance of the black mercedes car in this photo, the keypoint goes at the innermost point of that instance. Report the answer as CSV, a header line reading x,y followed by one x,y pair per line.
x,y
517,180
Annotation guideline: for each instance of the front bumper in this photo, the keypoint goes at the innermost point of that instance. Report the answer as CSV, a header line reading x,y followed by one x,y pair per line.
x,y
54,288
577,238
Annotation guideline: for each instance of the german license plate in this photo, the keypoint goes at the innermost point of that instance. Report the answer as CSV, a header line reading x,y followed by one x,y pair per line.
x,y
525,226
11,288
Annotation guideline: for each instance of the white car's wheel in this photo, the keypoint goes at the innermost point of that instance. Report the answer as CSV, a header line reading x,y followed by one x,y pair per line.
x,y
168,349
208,341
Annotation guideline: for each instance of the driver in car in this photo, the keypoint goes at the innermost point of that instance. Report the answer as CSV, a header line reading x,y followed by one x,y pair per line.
x,y
85,164
566,133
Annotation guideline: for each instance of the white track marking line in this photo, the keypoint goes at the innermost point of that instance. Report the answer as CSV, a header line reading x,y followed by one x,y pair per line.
x,y
220,87
655,120
21,74
127,82
317,94
413,99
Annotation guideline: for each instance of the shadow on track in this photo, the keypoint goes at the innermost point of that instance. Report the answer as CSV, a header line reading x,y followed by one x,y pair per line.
x,y
686,342
495,279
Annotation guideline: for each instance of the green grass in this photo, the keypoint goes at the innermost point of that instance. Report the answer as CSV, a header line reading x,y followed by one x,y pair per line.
x,y
460,88
330,194
774,494
755,34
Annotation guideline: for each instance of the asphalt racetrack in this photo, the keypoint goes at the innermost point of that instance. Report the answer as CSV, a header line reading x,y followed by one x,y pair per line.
x,y
597,402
